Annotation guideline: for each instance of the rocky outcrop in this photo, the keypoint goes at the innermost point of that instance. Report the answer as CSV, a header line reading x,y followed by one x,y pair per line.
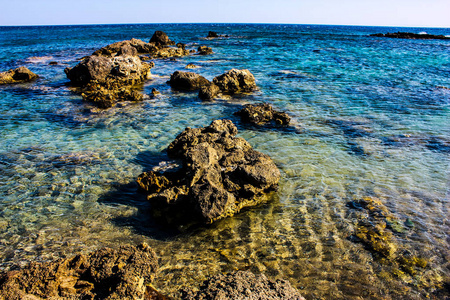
x,y
103,274
261,114
220,175
187,81
204,50
160,38
231,82
410,35
19,75
235,81
117,70
106,80
208,92
243,285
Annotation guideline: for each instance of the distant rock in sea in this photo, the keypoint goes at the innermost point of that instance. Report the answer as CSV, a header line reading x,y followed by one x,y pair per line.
x,y
413,36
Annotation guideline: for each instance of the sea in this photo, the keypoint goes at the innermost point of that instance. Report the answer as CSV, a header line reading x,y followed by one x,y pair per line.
x,y
370,120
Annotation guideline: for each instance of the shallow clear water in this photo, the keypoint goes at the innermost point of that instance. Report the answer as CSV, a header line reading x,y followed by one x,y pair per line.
x,y
370,118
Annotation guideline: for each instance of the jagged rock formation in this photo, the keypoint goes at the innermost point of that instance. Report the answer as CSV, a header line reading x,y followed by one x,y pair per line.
x,y
243,285
221,174
103,274
18,75
111,73
261,114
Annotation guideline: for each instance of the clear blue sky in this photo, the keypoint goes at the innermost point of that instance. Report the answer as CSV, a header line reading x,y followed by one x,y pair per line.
x,y
414,13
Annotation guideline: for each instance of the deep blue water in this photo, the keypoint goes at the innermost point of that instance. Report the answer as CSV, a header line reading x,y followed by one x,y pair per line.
x,y
370,118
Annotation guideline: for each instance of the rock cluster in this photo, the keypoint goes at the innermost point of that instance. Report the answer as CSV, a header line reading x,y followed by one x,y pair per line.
x,y
261,114
19,75
221,174
231,82
110,73
243,285
103,274
410,35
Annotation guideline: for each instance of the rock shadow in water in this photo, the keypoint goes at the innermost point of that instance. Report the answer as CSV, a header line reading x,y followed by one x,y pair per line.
x,y
142,222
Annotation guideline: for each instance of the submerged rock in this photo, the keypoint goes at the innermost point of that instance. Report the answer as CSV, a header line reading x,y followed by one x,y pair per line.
x,y
261,114
235,81
243,285
18,75
103,274
187,81
410,35
221,174
375,229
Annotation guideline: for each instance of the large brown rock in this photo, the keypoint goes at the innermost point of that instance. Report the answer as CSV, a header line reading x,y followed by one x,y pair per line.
x,y
221,174
103,274
124,70
107,80
19,75
235,81
261,114
160,38
187,81
243,285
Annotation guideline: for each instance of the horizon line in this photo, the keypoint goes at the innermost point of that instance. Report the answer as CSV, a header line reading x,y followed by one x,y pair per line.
x,y
221,23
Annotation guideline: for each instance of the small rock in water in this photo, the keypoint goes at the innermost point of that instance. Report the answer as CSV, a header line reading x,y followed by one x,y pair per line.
x,y
204,50
261,114
192,66
19,75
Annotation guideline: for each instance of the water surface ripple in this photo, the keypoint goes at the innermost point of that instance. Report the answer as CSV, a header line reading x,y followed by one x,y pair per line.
x,y
371,119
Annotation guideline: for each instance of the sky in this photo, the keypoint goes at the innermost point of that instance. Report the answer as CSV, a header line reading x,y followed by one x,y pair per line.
x,y
405,13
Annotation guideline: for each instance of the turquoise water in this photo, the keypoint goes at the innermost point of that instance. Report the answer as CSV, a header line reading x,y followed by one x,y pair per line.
x,y
370,119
